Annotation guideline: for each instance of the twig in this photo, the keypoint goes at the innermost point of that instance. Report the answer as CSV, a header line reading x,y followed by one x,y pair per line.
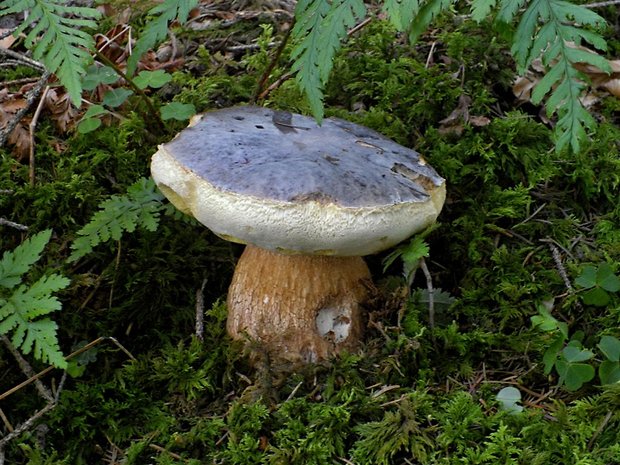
x,y
275,85
33,125
430,55
356,28
5,222
272,64
42,373
152,111
431,293
6,421
602,4
171,454
27,369
600,429
560,266
30,98
22,58
24,427
200,311
16,82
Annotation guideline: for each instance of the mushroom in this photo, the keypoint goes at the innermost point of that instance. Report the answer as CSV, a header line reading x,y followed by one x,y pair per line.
x,y
309,201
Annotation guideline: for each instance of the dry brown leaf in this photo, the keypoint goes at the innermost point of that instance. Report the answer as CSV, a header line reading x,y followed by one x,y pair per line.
x,y
8,40
19,137
62,112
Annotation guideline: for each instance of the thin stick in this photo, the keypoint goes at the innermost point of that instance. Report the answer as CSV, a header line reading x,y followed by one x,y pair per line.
x,y
25,426
353,30
27,369
258,94
152,112
42,373
33,125
5,222
6,421
22,58
602,4
431,293
30,98
200,311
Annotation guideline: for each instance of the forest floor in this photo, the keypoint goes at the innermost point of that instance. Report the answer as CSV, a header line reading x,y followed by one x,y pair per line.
x,y
520,363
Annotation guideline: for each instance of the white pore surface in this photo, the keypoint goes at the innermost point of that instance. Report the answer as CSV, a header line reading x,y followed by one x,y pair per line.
x,y
288,227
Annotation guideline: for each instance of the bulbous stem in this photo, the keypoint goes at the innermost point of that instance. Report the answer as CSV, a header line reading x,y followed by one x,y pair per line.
x,y
298,308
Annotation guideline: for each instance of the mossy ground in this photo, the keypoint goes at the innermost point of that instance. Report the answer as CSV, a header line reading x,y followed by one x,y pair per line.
x,y
415,393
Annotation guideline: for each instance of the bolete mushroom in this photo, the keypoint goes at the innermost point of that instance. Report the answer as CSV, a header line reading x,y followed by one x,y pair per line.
x,y
309,201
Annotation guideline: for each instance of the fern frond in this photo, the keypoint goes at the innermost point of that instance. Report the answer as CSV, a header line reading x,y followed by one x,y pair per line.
x,y
16,263
20,312
549,29
480,9
140,207
401,12
56,39
427,13
320,27
157,29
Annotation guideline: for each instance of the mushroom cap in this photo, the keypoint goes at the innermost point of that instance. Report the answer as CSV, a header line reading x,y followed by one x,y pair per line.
x,y
281,182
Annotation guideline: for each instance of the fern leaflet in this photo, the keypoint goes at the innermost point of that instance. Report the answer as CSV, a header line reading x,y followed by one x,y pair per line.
x,y
546,28
20,311
157,29
427,13
401,12
140,207
56,39
16,263
320,27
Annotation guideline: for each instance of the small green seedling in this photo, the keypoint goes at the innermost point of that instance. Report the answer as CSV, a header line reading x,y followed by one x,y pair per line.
x,y
115,97
598,282
573,362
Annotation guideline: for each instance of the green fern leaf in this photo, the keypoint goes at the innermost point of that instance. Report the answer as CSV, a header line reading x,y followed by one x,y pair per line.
x,y
401,12
56,39
547,29
320,27
480,9
508,9
16,263
427,13
157,29
140,207
20,312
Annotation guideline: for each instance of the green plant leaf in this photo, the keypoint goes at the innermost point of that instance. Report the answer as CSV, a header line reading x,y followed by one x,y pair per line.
x,y
574,375
16,263
56,38
551,354
178,111
480,9
154,79
140,207
609,372
401,12
509,399
96,75
575,353
320,27
587,278
606,278
427,13
596,296
610,346
546,29
116,97
156,29
88,125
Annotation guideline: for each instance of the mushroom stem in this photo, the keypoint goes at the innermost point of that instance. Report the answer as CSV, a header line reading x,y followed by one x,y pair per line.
x,y
299,308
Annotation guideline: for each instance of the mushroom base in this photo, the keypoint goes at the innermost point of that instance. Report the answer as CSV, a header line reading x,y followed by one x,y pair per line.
x,y
298,308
